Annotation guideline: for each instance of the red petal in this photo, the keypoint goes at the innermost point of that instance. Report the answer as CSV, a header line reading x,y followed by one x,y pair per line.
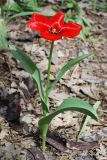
x,y
40,18
57,19
70,30
37,26
39,22
50,36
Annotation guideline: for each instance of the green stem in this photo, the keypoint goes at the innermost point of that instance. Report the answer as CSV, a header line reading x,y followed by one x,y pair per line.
x,y
44,135
43,143
45,129
49,72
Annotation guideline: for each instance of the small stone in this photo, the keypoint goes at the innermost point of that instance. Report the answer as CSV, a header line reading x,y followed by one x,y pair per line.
x,y
29,107
28,118
3,133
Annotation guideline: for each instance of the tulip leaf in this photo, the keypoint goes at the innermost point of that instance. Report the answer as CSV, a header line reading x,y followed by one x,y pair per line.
x,y
22,14
3,34
74,104
71,63
31,68
86,120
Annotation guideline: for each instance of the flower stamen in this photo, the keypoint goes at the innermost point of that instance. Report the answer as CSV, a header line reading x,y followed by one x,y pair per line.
x,y
54,31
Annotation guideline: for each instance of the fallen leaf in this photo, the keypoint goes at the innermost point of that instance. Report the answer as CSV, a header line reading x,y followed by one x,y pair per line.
x,y
34,154
82,145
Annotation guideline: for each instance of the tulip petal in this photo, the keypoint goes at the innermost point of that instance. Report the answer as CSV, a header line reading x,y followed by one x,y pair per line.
x,y
37,26
40,18
57,19
38,22
50,36
70,30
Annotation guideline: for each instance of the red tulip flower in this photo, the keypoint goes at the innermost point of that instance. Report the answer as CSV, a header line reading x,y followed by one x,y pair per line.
x,y
54,28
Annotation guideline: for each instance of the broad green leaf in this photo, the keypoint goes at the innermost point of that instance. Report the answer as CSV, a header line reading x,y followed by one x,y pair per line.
x,y
71,63
74,104
3,34
22,14
31,68
86,120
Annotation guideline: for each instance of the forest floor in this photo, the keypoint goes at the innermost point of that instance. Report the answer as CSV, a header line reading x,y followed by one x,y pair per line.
x,y
19,136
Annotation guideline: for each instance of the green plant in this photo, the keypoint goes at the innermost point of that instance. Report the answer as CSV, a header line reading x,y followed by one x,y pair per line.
x,y
18,8
3,32
22,6
94,5
53,29
102,6
2,4
7,9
